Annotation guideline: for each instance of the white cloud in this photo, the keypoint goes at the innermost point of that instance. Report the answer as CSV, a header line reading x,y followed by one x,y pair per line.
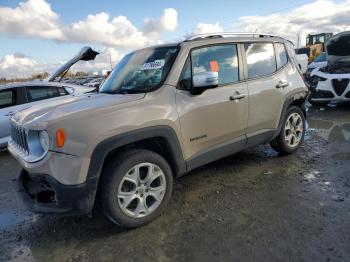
x,y
19,65
100,28
319,16
203,28
14,65
33,18
167,22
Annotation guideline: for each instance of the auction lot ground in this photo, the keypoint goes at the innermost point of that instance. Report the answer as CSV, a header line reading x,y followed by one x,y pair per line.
x,y
252,206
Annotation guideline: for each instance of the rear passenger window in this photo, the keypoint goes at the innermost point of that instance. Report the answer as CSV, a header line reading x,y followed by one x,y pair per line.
x,y
7,98
36,93
261,59
222,59
281,53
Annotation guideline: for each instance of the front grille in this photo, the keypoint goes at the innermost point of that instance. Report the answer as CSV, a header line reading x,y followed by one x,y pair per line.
x,y
322,94
19,137
339,85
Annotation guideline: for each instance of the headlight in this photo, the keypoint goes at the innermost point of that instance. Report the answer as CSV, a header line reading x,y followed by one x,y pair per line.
x,y
44,140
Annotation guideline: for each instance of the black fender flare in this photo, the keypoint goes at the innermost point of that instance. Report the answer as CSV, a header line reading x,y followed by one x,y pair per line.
x,y
300,96
102,149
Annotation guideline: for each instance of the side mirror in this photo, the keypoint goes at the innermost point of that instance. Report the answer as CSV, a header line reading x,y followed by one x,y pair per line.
x,y
205,80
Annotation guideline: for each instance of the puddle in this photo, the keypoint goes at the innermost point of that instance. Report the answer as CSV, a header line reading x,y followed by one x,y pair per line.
x,y
331,124
343,156
8,219
331,131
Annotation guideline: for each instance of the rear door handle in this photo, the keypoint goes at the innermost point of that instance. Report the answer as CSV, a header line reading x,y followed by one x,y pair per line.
x,y
282,84
237,96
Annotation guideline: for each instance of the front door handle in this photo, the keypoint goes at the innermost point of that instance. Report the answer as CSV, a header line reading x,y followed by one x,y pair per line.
x,y
282,84
237,96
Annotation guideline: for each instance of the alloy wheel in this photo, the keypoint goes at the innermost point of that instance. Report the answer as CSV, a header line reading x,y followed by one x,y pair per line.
x,y
293,130
141,190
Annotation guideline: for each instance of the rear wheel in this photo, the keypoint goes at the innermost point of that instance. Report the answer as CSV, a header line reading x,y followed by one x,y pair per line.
x,y
136,187
292,133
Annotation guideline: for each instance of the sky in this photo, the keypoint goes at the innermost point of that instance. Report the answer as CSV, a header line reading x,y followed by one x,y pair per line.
x,y
38,35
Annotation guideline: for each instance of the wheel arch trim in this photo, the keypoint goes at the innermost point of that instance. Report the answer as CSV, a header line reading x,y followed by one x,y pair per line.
x,y
299,97
108,145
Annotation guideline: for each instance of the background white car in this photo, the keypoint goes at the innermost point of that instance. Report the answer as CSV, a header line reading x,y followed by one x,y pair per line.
x,y
319,62
302,60
16,97
332,82
19,96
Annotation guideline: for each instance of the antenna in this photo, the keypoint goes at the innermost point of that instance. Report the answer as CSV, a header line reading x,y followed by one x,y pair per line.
x,y
110,59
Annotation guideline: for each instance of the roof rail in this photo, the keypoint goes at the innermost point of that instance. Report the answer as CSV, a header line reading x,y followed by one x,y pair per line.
x,y
228,34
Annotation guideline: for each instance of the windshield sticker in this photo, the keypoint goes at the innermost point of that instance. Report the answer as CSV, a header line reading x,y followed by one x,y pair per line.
x,y
157,64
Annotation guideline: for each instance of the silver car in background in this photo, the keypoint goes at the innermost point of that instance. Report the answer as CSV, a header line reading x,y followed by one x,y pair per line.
x,y
19,96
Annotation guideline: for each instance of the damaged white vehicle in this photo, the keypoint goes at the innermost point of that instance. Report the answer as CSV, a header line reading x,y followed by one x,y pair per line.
x,y
331,83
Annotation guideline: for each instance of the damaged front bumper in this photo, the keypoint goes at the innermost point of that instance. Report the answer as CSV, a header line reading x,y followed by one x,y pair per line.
x,y
329,87
43,194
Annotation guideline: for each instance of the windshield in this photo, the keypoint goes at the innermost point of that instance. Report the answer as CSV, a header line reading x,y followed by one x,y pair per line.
x,y
141,71
321,58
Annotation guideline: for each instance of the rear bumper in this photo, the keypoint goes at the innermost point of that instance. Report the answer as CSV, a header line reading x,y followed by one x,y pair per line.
x,y
43,194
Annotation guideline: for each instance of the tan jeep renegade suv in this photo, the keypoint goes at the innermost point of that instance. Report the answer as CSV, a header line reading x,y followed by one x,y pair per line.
x,y
163,111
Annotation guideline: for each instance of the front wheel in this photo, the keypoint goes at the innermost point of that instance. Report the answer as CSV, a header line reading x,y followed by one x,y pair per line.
x,y
292,132
136,187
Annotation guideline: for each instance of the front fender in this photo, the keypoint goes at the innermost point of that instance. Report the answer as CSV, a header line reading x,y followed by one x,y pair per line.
x,y
101,151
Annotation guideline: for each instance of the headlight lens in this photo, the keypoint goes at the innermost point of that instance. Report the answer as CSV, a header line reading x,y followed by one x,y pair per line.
x,y
44,140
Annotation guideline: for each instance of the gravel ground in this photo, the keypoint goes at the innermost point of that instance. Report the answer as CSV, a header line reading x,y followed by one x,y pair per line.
x,y
252,206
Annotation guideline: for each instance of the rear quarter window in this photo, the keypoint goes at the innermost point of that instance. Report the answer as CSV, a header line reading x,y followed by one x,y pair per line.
x,y
7,98
261,59
281,54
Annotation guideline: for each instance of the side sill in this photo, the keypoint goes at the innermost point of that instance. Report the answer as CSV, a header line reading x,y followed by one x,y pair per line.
x,y
216,152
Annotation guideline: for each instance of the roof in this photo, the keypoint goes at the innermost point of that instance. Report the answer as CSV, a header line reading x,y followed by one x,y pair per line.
x,y
202,39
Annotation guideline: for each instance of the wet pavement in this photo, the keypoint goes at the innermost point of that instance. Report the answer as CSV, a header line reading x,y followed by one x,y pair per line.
x,y
252,206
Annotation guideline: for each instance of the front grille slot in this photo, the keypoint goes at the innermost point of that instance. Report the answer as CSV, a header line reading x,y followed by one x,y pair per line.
x,y
19,137
340,86
322,94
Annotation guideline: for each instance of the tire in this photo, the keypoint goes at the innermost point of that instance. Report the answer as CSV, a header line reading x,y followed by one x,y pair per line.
x,y
120,184
285,145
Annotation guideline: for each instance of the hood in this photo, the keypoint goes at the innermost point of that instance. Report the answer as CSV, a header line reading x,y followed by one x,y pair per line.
x,y
44,113
338,50
85,54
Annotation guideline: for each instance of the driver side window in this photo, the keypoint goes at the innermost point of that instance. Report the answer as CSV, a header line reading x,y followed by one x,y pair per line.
x,y
222,59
